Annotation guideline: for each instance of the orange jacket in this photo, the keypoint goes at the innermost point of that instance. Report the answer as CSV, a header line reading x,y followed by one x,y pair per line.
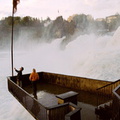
x,y
34,76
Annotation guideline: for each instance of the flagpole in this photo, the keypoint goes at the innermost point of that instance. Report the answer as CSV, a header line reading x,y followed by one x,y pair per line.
x,y
12,40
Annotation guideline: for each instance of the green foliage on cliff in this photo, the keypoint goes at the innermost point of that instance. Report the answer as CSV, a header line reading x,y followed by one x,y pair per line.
x,y
50,29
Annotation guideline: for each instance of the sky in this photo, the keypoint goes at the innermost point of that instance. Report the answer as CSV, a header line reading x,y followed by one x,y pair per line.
x,y
54,8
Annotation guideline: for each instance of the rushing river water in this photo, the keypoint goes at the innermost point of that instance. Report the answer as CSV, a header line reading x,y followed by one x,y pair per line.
x,y
90,56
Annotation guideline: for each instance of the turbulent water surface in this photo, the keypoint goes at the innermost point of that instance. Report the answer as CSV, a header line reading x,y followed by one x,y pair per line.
x,y
90,56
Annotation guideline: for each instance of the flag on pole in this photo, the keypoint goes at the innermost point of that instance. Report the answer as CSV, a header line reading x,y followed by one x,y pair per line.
x,y
15,2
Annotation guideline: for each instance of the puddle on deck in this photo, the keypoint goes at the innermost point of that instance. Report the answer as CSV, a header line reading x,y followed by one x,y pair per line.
x,y
47,99
49,91
47,96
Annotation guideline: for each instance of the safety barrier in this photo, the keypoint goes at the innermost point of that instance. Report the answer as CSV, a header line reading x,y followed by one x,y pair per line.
x,y
32,105
106,92
67,111
109,107
78,83
116,103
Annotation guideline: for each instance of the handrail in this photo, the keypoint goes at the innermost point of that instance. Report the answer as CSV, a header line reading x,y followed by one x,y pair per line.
x,y
108,84
116,103
30,104
115,92
40,112
110,109
106,92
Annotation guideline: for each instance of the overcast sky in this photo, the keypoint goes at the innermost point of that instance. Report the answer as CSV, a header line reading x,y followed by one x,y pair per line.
x,y
53,8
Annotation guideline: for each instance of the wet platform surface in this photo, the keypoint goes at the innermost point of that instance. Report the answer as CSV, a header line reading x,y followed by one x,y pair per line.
x,y
47,96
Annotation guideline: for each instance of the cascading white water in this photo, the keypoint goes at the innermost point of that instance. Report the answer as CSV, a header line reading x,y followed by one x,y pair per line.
x,y
90,56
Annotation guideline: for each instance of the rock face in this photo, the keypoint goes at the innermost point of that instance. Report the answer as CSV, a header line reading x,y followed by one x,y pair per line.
x,y
47,30
60,28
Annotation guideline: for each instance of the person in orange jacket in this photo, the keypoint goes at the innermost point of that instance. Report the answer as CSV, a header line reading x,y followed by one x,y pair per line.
x,y
34,76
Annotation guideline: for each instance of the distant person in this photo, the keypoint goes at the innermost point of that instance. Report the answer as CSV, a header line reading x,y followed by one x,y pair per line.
x,y
33,78
19,76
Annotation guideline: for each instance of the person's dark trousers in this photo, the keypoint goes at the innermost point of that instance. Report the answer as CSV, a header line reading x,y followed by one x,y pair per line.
x,y
34,87
19,82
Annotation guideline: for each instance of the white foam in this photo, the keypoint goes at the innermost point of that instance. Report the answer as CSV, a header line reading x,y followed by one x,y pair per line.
x,y
87,56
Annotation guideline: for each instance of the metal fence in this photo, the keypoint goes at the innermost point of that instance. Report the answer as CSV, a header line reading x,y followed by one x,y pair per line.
x,y
105,93
66,111
116,103
112,91
37,110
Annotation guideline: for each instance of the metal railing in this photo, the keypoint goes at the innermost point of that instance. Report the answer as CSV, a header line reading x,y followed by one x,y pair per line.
x,y
107,96
66,111
37,110
105,93
116,103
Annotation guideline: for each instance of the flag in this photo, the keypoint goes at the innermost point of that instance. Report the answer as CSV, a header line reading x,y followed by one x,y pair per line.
x,y
15,2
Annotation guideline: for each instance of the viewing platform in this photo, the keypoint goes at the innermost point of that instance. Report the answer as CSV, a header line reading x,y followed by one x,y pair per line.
x,y
48,96
62,97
